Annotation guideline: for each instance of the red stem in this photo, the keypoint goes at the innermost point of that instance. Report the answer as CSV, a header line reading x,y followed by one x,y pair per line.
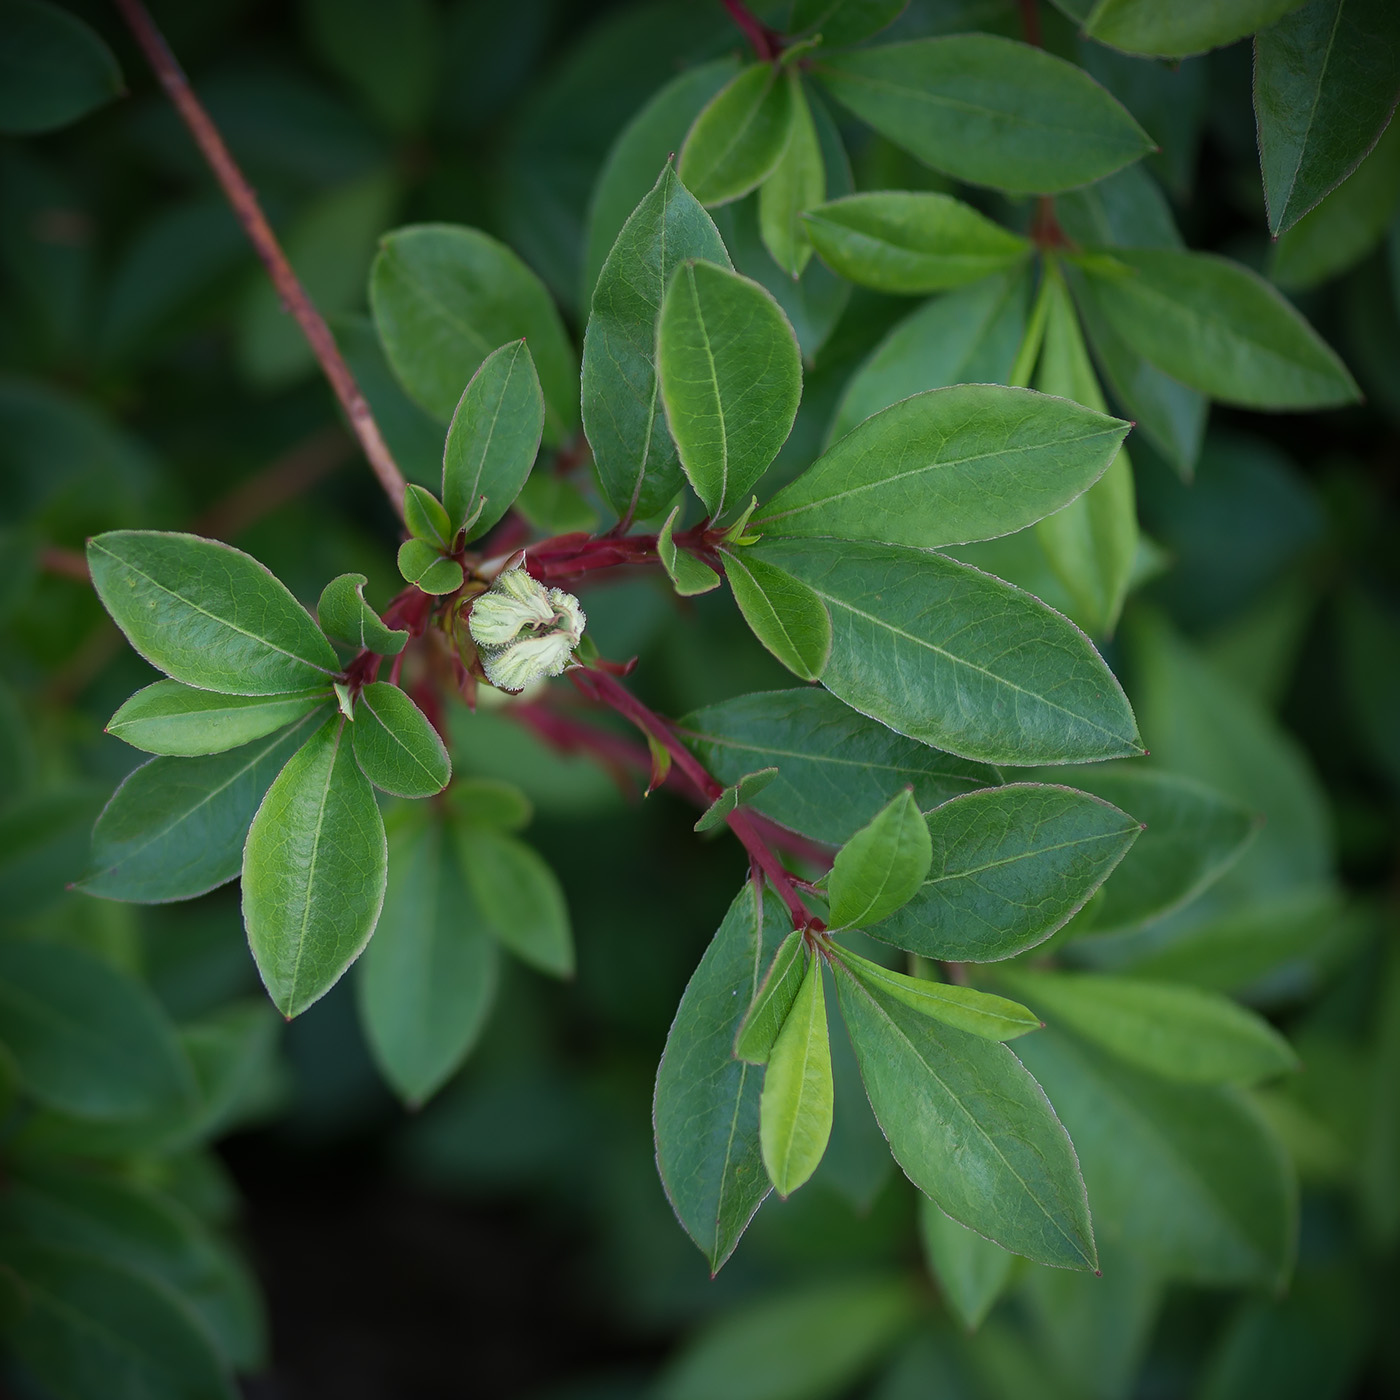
x,y
1030,23
767,44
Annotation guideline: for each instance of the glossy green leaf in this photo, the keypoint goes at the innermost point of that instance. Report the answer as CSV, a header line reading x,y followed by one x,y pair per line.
x,y
1178,1032
971,1272
313,871
428,978
1181,28
909,244
1187,1176
740,136
706,1106
971,1128
425,517
177,720
797,184
175,828
689,575
977,1012
954,658
882,866
493,440
445,297
1010,866
768,1012
842,22
836,768
1324,89
948,466
622,413
397,748
520,897
989,110
748,786
53,67
1219,328
731,379
1127,210
795,1109
785,615
208,614
344,615
421,564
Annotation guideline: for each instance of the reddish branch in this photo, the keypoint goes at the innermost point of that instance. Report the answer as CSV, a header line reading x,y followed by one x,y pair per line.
x,y
1030,22
245,205
767,43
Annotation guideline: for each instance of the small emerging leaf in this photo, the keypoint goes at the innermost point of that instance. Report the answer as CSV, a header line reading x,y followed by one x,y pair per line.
x,y
784,614
425,517
689,576
798,182
345,615
796,1108
748,787
425,566
882,866
769,1010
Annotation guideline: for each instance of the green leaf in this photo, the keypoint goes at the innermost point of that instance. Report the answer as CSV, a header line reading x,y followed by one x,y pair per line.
x,y
426,519
313,871
1181,28
955,658
520,898
490,802
1128,210
344,615
784,614
836,768
948,466
493,440
53,68
798,183
208,614
768,1012
740,136
909,244
971,1128
1219,328
174,719
428,978
689,576
796,1106
1010,866
971,1272
882,866
445,297
748,786
637,463
555,506
421,564
731,379
988,110
396,747
978,1013
175,828
1181,1033
1370,647
1188,1176
706,1106
842,22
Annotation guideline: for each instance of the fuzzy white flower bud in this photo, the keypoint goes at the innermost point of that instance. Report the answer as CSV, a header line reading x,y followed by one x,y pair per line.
x,y
524,630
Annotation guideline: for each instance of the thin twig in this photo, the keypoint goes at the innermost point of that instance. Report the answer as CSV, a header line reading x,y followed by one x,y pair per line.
x,y
245,205
766,42
65,563
1030,23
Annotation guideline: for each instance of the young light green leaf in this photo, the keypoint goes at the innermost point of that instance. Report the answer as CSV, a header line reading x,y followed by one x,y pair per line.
x,y
520,896
796,1107
492,441
1010,866
971,1272
949,466
175,828
979,1013
208,614
1182,1033
952,657
1324,89
636,459
797,184
748,786
909,244
706,1106
1184,27
689,575
428,978
177,720
344,615
971,1128
420,563
426,519
731,379
53,68
314,871
397,748
758,1031
445,297
882,866
740,136
1218,327
785,615
988,110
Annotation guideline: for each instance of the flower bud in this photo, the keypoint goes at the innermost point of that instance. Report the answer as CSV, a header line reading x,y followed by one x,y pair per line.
x,y
525,631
